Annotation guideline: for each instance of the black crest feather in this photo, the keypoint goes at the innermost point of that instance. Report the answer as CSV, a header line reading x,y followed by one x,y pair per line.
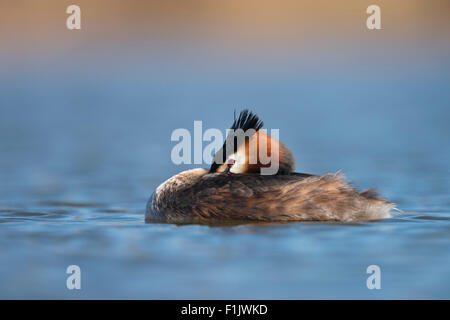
x,y
246,120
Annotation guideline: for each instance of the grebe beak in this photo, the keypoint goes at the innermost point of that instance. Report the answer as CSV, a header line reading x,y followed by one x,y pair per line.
x,y
230,163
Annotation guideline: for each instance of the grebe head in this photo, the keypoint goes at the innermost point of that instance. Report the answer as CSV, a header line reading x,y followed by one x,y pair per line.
x,y
242,145
231,157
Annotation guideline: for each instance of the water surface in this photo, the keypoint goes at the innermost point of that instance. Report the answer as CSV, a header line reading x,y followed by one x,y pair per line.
x,y
80,156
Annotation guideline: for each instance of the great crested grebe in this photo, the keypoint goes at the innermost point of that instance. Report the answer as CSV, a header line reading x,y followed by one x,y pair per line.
x,y
234,188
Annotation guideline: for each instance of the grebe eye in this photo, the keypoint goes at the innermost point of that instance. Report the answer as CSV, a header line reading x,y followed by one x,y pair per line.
x,y
230,162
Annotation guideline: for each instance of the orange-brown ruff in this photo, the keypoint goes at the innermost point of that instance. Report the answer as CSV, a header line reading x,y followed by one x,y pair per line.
x,y
200,194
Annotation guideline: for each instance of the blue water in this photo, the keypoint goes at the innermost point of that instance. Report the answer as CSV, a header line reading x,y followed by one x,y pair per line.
x,y
82,151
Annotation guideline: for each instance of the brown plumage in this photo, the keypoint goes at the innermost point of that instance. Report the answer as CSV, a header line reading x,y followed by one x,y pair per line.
x,y
198,195
202,195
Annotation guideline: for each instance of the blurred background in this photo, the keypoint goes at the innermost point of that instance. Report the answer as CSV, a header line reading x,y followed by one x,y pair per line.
x,y
86,117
